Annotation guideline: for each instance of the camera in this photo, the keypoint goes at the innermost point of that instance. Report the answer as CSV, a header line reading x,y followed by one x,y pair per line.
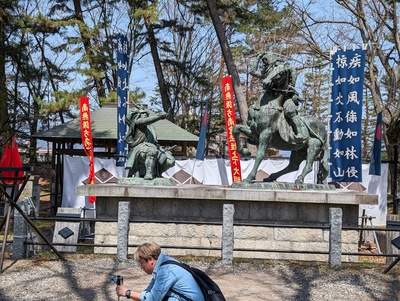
x,y
116,279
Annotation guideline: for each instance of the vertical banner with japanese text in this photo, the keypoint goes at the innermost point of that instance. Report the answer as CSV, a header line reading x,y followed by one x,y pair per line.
x,y
122,96
230,122
87,141
346,115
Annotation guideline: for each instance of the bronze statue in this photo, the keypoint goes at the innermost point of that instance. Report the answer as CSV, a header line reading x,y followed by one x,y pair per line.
x,y
273,121
280,77
146,158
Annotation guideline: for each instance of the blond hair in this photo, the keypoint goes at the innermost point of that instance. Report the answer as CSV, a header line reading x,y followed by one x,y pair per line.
x,y
147,250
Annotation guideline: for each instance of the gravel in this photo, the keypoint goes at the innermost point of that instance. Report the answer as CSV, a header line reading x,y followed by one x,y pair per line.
x,y
84,277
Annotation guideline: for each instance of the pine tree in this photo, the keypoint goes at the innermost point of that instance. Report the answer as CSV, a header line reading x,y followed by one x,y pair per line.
x,y
7,23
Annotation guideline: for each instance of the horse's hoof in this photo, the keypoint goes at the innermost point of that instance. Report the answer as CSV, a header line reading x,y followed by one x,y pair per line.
x,y
298,181
268,180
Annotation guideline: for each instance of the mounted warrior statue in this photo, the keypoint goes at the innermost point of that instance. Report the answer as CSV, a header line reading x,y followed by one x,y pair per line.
x,y
274,121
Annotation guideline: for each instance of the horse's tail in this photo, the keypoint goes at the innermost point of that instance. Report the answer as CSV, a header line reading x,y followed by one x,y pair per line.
x,y
324,153
323,163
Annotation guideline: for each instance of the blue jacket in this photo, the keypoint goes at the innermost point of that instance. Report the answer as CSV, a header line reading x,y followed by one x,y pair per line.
x,y
171,276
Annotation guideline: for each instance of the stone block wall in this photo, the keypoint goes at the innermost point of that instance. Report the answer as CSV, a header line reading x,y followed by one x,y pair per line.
x,y
245,237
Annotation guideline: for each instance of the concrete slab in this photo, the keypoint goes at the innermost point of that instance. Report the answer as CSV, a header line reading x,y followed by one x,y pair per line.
x,y
206,192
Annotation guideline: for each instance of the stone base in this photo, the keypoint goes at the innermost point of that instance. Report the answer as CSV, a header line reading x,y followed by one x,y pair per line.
x,y
281,186
143,182
183,215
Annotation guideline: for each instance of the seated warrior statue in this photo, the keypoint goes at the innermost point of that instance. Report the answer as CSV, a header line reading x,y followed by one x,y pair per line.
x,y
144,149
279,80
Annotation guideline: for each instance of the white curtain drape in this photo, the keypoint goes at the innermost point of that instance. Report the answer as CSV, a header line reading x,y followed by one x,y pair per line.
x,y
213,172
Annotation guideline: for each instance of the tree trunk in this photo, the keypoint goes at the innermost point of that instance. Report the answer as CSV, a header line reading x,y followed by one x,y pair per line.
x,y
4,121
392,139
166,102
230,65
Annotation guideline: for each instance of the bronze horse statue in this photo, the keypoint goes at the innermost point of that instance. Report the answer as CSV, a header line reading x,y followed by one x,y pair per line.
x,y
268,125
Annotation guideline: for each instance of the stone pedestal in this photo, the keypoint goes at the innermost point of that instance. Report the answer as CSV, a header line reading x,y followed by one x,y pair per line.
x,y
156,213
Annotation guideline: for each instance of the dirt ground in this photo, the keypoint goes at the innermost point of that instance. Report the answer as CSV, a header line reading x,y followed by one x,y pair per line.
x,y
84,277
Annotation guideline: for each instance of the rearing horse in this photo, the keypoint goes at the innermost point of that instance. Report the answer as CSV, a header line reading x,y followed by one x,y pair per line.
x,y
267,127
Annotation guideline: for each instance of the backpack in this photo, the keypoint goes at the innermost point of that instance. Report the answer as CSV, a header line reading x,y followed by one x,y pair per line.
x,y
210,289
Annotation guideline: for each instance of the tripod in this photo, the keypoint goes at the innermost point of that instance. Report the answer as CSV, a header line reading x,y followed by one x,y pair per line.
x,y
12,200
364,223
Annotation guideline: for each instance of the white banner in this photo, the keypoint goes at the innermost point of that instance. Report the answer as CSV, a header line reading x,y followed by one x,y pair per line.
x,y
76,171
376,185
216,172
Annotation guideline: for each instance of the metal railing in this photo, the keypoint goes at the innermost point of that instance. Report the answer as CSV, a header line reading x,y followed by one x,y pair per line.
x,y
82,239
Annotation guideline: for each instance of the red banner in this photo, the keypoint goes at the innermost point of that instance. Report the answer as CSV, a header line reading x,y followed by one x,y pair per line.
x,y
230,122
87,141
11,158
